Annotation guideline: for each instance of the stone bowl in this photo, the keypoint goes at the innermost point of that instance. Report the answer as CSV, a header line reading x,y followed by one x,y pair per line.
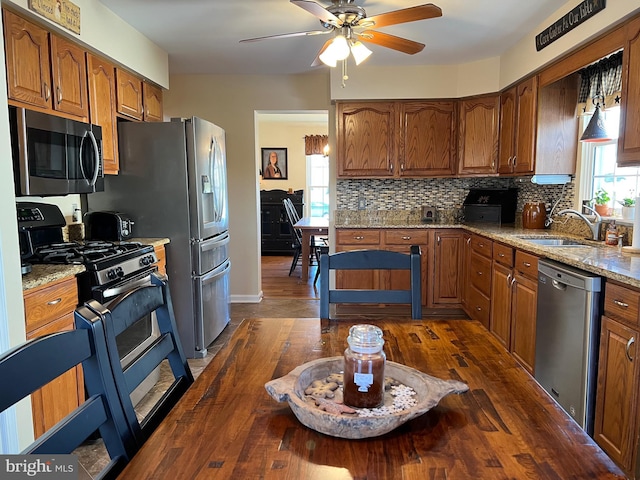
x,y
290,388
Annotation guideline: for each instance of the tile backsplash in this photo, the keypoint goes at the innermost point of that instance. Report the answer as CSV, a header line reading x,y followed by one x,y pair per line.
x,y
442,193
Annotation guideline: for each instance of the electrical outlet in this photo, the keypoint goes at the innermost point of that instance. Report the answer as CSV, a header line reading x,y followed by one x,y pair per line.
x,y
362,204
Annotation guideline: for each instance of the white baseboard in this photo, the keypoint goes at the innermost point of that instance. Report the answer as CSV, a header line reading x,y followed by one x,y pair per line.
x,y
246,298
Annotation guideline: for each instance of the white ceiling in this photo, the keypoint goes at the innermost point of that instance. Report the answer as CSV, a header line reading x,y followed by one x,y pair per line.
x,y
202,36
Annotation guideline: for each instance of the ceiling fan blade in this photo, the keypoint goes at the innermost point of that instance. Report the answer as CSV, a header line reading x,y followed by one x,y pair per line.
x,y
391,41
421,12
286,35
319,11
317,62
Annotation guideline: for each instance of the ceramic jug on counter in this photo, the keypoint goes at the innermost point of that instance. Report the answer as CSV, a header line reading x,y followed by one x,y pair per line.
x,y
534,215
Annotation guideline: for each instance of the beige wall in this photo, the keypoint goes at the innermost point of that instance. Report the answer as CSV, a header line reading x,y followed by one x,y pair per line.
x,y
288,135
105,32
232,102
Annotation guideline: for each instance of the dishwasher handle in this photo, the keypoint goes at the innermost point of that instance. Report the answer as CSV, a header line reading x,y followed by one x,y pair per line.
x,y
559,285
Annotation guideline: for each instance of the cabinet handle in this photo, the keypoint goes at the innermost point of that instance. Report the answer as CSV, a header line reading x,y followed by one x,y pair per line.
x,y
479,309
509,160
515,160
59,95
406,237
526,264
469,241
54,302
481,245
391,167
402,167
631,341
509,280
501,255
358,237
47,91
513,280
621,304
479,273
438,239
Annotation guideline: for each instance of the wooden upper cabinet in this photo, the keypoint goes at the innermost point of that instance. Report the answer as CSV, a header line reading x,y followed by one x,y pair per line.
x,y
479,135
43,69
128,94
69,77
427,138
518,123
152,102
629,139
366,139
27,60
102,108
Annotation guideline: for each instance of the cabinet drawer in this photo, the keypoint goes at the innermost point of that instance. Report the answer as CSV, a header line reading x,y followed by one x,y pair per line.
x,y
503,254
621,302
481,273
527,264
482,245
358,237
43,305
406,237
479,306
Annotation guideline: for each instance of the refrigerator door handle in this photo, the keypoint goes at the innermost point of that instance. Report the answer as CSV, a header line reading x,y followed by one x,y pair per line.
x,y
217,272
213,243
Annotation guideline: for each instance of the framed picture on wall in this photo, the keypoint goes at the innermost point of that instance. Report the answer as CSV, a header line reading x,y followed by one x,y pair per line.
x,y
274,163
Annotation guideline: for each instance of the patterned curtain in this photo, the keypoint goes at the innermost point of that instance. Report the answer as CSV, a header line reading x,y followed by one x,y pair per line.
x,y
315,144
601,83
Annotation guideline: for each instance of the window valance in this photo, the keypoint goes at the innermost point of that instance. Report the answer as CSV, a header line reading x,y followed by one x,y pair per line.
x,y
601,84
315,144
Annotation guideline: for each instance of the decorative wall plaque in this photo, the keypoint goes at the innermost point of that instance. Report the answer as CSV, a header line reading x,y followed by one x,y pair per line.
x,y
63,12
584,11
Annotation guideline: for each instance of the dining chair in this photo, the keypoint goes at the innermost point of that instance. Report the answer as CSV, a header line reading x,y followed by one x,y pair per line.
x,y
118,316
372,260
33,364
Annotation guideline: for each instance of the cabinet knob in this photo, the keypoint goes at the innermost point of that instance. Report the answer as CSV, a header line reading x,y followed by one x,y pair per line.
x,y
526,264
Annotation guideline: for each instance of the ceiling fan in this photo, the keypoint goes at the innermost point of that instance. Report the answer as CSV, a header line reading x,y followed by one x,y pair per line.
x,y
353,27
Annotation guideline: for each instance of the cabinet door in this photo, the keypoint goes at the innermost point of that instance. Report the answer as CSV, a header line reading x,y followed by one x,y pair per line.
x,y
501,288
102,108
366,139
616,399
128,94
523,321
447,265
68,68
478,149
526,123
465,283
27,59
57,399
629,139
507,130
427,138
152,102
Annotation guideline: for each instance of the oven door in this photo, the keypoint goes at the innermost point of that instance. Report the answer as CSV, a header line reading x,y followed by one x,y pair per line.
x,y
139,336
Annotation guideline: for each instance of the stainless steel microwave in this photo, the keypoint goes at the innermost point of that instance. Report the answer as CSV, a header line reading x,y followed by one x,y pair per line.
x,y
54,155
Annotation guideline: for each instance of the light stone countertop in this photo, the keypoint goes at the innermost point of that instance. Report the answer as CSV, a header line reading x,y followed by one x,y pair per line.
x,y
596,257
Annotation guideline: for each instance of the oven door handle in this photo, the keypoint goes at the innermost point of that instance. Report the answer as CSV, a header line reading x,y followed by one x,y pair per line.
x,y
128,286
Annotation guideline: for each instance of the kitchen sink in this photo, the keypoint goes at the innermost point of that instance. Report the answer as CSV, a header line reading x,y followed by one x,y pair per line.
x,y
555,241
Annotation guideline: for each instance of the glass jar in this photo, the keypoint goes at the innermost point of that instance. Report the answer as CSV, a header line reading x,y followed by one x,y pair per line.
x,y
364,362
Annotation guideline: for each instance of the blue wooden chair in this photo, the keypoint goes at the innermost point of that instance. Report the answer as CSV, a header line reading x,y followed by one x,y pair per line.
x,y
121,314
29,366
371,260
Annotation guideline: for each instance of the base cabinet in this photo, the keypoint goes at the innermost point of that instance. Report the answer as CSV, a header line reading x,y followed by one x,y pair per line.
x,y
447,263
49,309
616,418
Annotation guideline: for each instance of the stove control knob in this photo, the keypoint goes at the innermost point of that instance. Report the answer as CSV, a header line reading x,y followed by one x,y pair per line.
x,y
119,272
148,260
111,274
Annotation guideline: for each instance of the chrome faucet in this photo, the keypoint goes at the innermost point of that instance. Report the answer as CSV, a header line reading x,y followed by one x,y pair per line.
x,y
594,227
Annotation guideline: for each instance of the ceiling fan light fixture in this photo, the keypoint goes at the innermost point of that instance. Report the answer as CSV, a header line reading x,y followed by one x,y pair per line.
x,y
359,51
338,50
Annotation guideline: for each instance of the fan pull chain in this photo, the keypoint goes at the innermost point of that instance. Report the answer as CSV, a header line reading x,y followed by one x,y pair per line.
x,y
345,77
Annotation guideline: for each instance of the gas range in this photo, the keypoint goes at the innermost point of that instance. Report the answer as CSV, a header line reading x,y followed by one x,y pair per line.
x,y
107,261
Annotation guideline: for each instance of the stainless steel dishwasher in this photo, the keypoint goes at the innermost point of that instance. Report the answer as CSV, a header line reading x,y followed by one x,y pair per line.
x,y
567,337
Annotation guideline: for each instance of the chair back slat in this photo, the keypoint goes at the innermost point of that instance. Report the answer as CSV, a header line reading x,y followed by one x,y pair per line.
x,y
42,360
121,314
372,260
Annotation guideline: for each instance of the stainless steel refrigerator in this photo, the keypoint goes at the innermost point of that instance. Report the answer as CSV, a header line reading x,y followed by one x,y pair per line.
x,y
172,183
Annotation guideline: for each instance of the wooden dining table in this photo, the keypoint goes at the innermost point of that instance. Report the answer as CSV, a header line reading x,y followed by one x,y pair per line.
x,y
310,227
226,426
